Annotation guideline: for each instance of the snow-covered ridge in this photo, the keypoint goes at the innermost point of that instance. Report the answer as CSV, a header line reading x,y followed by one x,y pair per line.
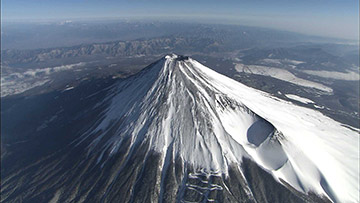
x,y
184,109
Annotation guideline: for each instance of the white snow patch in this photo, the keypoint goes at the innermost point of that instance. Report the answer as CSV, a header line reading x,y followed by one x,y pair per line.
x,y
17,87
68,88
237,59
318,106
49,70
17,82
295,62
280,74
272,61
281,61
56,197
350,75
299,99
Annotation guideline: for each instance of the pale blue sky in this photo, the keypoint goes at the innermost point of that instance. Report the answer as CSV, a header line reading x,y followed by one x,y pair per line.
x,y
334,18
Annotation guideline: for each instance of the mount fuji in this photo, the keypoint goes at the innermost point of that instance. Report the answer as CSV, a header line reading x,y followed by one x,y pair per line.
x,y
178,131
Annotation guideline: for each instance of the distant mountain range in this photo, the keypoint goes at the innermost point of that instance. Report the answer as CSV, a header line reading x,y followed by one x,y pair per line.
x,y
141,39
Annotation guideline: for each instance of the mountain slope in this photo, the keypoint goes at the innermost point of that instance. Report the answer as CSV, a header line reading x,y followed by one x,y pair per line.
x,y
178,131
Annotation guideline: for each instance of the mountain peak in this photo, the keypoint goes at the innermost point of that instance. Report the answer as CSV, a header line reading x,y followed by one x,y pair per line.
x,y
178,131
176,57
182,110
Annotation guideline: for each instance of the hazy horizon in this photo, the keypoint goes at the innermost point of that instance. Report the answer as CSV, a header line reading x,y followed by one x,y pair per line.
x,y
334,18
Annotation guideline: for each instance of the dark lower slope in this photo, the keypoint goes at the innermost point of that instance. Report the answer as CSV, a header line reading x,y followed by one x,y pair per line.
x,y
70,176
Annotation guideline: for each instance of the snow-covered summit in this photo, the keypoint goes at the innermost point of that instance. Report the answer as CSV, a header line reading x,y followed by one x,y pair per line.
x,y
182,109
176,57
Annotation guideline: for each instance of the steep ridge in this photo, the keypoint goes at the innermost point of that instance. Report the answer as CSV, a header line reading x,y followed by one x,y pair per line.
x,y
178,131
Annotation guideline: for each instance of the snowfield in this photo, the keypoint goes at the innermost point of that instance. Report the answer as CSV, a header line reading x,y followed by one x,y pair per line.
x,y
18,86
281,61
280,74
350,75
19,82
184,109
